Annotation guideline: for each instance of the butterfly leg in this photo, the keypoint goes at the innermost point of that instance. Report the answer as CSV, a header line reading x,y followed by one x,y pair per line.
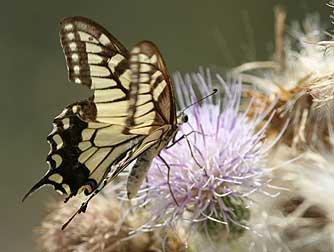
x,y
193,156
168,176
147,188
185,136
175,141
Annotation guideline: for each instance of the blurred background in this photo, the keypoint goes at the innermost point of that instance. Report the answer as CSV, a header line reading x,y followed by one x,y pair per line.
x,y
34,86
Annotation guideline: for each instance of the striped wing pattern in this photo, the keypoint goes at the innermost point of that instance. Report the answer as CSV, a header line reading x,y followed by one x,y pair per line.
x,y
65,173
151,98
94,57
83,151
98,60
152,109
131,111
88,137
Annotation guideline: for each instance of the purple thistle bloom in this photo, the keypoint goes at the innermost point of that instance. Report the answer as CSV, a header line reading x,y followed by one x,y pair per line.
x,y
218,166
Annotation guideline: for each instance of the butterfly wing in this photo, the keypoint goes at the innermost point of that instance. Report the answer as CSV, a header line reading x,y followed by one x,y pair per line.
x,y
94,57
152,111
98,60
151,98
88,136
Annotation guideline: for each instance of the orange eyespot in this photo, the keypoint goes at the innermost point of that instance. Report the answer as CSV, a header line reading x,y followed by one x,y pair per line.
x,y
85,188
88,188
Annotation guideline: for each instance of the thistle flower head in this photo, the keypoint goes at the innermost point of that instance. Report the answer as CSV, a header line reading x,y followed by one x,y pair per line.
x,y
313,216
105,227
216,167
102,228
302,81
302,218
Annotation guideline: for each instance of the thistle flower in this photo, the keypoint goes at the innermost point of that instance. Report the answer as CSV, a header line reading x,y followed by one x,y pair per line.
x,y
301,78
311,215
216,168
301,219
104,227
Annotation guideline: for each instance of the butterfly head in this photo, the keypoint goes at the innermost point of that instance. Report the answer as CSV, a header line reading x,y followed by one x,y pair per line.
x,y
182,118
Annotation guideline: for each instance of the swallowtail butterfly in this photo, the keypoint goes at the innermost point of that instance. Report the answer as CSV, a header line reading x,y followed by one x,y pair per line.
x,y
131,115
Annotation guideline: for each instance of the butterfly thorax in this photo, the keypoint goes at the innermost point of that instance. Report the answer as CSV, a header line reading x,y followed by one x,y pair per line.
x,y
169,134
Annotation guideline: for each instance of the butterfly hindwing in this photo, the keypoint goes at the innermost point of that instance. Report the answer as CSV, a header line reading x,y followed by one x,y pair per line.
x,y
82,150
65,173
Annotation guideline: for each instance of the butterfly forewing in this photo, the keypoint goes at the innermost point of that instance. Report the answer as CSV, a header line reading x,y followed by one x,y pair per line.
x,y
151,95
98,60
151,103
94,57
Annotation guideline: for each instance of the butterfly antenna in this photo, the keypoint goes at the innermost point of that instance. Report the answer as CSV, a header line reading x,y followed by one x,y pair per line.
x,y
215,90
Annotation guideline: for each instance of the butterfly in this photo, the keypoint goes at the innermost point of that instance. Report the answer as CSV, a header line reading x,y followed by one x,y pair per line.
x,y
131,116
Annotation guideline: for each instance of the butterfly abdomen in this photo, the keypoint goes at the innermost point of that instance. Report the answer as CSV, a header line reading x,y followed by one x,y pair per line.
x,y
139,172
